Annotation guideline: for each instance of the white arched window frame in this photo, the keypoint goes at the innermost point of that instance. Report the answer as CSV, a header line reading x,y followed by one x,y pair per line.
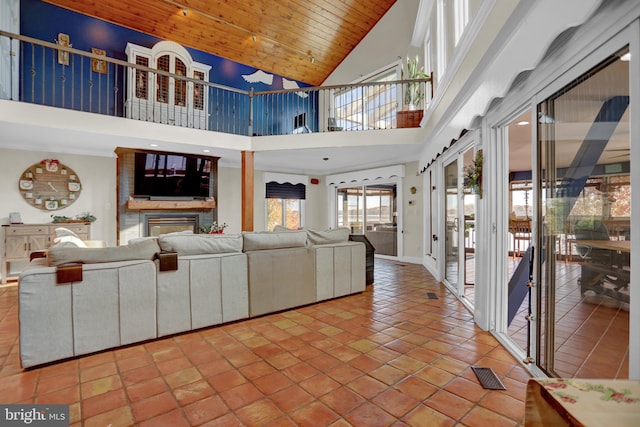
x,y
166,99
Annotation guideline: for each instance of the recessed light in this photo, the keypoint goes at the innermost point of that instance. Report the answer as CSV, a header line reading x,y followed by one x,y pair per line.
x,y
153,145
523,123
626,57
206,151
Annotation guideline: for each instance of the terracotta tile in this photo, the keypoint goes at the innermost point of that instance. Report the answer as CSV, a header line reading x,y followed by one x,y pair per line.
x,y
96,359
480,416
369,414
363,345
345,353
466,389
259,413
344,374
166,353
103,403
182,377
145,389
173,365
241,395
319,385
450,365
283,360
100,386
122,416
214,367
242,358
56,383
388,374
175,418
206,409
449,404
416,388
226,380
272,383
193,392
367,386
407,364
257,370
342,400
134,362
503,404
227,420
395,402
291,398
323,362
300,372
137,375
62,396
314,414
98,371
153,406
365,363
383,354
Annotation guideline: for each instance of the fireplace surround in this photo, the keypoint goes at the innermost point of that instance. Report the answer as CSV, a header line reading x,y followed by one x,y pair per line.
x,y
162,223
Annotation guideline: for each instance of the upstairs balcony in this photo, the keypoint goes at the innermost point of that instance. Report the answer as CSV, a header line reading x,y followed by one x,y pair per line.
x,y
178,94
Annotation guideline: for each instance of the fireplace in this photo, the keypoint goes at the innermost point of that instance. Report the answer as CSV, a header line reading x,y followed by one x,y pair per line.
x,y
156,224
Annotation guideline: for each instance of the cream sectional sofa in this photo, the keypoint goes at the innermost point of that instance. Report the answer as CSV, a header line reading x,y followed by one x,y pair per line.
x,y
126,294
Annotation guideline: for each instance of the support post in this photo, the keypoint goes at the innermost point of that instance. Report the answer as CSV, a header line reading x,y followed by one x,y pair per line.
x,y
247,191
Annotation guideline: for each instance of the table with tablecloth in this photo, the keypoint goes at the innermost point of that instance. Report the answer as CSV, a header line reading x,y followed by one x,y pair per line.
x,y
582,402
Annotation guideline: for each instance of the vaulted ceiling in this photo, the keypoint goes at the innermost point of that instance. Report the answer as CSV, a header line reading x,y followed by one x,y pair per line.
x,y
304,40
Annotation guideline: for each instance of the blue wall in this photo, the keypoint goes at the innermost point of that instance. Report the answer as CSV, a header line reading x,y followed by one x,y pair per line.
x,y
105,93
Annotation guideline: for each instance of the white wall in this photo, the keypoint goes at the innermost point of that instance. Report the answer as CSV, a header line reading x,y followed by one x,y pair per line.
x,y
412,214
98,196
389,39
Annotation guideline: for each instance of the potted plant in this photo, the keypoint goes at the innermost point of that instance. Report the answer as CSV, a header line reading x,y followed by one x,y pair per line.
x,y
473,174
411,115
214,228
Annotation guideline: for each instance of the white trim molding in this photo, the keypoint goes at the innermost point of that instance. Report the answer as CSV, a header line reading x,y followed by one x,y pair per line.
x,y
366,175
282,178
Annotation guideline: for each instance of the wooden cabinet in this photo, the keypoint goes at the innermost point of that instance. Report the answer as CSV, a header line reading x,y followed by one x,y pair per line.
x,y
22,239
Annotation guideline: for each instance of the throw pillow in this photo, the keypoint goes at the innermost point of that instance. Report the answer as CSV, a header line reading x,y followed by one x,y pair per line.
x,y
62,232
68,242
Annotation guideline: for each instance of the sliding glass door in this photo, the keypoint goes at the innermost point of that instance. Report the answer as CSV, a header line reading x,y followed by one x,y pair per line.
x,y
585,212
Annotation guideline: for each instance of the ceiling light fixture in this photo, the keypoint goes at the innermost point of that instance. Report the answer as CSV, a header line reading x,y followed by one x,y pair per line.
x,y
523,123
206,151
153,145
253,34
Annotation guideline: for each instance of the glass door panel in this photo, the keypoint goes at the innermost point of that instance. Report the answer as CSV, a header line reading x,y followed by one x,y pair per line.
x,y
452,223
469,236
519,231
585,213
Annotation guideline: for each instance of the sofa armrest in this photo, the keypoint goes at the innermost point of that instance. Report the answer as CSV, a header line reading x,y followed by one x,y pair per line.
x,y
67,273
37,254
167,261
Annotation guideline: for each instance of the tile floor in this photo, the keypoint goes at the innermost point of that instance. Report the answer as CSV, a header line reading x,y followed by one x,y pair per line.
x,y
388,356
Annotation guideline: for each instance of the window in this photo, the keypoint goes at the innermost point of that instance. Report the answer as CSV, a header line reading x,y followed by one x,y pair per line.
x,y
441,15
368,107
461,18
285,205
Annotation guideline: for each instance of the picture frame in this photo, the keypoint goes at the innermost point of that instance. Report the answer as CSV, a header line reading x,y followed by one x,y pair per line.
x,y
98,66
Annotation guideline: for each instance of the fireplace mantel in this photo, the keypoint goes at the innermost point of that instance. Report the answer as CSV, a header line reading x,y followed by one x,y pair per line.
x,y
143,204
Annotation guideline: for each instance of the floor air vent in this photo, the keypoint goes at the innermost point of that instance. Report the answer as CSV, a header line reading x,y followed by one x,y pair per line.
x,y
432,295
488,378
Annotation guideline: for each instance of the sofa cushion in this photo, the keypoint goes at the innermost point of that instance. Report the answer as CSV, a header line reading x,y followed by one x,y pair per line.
x,y
259,241
63,232
336,235
200,244
134,251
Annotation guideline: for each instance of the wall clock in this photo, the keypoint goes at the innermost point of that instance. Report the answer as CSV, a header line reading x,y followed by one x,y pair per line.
x,y
49,185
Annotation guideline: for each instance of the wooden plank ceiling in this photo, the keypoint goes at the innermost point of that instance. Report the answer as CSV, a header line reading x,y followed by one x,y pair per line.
x,y
303,40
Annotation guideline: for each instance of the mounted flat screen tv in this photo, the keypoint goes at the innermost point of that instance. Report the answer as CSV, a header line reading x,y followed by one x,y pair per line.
x,y
170,175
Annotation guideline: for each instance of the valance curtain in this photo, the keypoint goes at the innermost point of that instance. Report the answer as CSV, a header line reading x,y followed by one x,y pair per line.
x,y
286,190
